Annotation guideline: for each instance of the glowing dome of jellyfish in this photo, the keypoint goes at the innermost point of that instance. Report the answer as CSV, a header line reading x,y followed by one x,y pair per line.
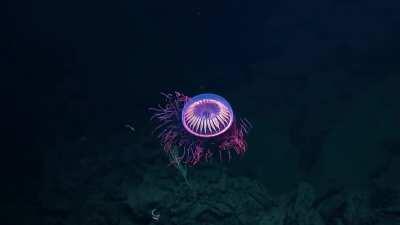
x,y
207,115
192,129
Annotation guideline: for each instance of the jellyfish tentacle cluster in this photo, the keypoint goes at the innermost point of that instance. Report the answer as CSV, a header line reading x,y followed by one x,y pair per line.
x,y
199,126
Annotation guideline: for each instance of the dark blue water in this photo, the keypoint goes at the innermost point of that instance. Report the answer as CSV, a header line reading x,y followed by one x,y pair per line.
x,y
318,80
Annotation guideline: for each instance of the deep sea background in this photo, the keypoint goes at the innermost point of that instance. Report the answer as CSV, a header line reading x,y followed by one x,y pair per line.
x,y
319,80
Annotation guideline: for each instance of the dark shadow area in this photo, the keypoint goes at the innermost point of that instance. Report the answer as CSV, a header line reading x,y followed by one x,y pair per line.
x,y
318,80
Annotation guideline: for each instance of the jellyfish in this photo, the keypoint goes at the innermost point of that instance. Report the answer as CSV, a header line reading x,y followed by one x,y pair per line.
x,y
196,128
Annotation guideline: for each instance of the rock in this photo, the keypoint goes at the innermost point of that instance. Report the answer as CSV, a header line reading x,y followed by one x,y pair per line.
x,y
99,214
275,216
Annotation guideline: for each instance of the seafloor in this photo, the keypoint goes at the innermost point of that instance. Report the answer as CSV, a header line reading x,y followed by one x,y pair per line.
x,y
122,185
125,179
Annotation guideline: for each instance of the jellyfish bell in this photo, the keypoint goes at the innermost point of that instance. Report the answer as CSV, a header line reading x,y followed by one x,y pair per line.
x,y
207,115
199,126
